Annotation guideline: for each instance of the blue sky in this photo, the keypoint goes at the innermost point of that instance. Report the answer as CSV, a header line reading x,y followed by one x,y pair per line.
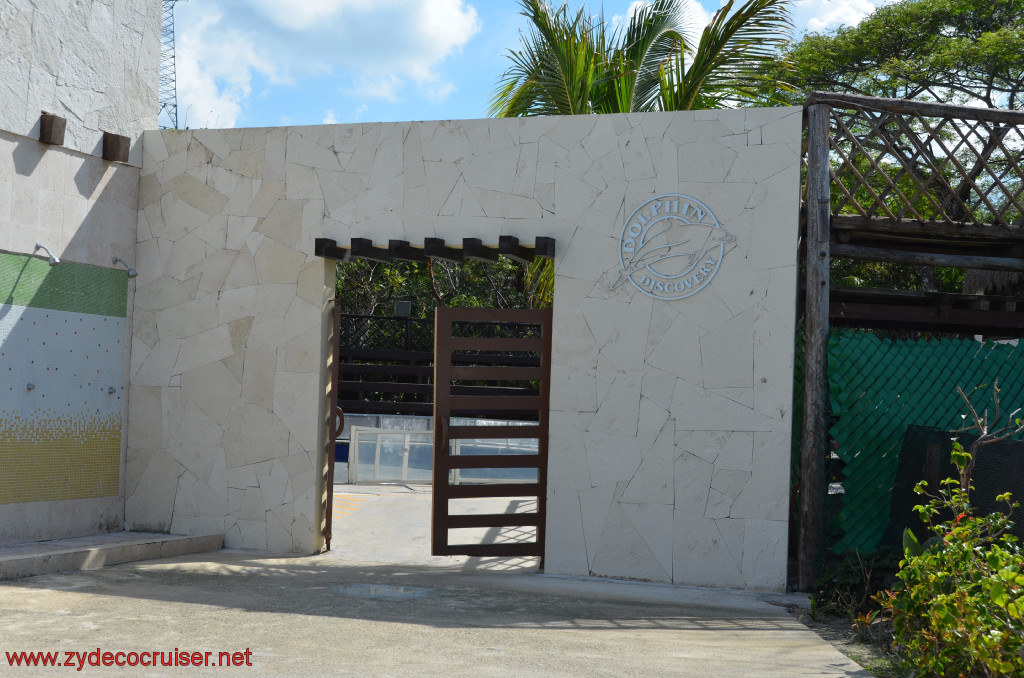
x,y
261,63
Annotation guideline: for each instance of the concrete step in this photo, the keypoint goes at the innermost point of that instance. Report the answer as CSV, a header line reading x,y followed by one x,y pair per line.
x,y
96,551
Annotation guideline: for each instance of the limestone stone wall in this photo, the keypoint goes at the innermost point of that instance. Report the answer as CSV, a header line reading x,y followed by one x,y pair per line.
x,y
94,62
670,419
228,344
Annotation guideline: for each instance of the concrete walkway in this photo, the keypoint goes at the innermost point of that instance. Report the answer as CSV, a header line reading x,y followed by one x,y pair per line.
x,y
317,616
99,550
334,615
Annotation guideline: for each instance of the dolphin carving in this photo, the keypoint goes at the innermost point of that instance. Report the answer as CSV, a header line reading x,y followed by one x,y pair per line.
x,y
669,242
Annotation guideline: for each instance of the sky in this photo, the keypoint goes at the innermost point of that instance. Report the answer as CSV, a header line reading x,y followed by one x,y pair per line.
x,y
267,63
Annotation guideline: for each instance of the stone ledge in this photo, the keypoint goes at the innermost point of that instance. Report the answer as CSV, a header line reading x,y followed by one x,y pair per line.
x,y
96,551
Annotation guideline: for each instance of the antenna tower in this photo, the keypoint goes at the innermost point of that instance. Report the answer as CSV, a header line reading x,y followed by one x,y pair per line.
x,y
167,88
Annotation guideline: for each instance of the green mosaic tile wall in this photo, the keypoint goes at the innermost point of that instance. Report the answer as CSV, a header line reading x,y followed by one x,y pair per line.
x,y
79,288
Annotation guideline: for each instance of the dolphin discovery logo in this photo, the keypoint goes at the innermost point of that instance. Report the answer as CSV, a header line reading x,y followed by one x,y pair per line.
x,y
671,247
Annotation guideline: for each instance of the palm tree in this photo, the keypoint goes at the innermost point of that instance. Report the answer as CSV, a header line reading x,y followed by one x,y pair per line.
x,y
572,63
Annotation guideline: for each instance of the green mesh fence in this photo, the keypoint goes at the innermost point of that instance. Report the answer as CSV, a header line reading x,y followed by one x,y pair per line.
x,y
879,387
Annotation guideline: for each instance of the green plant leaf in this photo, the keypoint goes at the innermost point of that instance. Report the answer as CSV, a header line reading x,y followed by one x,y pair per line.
x,y
911,545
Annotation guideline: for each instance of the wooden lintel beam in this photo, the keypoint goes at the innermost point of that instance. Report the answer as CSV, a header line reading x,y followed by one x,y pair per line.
x,y
845,101
508,246
544,247
51,129
845,223
927,258
403,251
362,248
328,249
435,248
115,147
473,248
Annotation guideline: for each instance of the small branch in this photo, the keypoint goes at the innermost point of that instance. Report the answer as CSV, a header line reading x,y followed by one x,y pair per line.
x,y
974,414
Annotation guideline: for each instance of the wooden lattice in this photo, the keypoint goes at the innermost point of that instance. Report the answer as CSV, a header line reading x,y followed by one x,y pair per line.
x,y
901,160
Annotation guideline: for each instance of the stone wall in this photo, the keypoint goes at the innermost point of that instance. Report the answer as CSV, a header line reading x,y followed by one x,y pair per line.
x,y
670,419
228,344
92,62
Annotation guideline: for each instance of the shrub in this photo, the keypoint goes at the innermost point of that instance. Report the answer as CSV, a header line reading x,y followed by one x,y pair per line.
x,y
851,579
958,608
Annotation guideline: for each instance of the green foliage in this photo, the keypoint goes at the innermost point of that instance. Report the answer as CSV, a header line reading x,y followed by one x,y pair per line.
x,y
724,68
372,288
911,545
540,278
958,609
951,51
571,62
944,50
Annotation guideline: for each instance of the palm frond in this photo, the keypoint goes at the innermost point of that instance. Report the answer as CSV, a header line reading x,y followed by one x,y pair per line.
x,y
724,63
555,70
570,63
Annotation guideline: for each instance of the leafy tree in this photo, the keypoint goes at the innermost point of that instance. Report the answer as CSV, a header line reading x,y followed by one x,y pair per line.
x,y
372,287
950,51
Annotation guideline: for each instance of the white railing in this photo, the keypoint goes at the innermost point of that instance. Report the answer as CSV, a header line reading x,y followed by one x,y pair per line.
x,y
388,455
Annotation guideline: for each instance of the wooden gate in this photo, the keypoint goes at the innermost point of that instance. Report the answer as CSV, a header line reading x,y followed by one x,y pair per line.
x,y
468,355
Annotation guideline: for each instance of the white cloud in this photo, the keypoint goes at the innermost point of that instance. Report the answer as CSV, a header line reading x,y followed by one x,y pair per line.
x,y
214,76
330,118
694,11
634,7
383,86
374,48
695,16
821,15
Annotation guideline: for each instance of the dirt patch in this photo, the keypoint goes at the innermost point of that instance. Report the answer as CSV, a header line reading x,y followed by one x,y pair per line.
x,y
840,632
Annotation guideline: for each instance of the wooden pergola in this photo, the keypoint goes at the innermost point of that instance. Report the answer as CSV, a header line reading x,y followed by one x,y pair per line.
x,y
905,182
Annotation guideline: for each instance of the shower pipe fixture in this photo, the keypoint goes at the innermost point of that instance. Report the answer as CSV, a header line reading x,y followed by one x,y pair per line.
x,y
131,271
53,259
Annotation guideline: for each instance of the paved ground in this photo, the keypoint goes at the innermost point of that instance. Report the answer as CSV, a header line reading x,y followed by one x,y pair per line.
x,y
391,524
331,615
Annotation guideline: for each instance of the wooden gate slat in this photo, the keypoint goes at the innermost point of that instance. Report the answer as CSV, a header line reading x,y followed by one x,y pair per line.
x,y
493,432
521,549
461,403
494,520
495,461
447,399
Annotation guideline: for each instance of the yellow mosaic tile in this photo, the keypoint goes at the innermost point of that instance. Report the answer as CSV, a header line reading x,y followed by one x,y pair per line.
x,y
51,456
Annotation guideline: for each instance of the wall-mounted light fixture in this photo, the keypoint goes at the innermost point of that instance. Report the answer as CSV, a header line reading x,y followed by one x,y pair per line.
x,y
53,259
131,271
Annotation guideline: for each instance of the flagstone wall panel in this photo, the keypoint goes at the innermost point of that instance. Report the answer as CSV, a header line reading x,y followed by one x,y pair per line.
x,y
670,418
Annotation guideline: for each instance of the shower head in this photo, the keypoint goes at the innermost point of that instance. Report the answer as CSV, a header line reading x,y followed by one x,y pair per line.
x,y
53,259
131,271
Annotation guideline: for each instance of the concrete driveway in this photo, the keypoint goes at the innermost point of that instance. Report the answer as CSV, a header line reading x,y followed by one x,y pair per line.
x,y
380,605
321,616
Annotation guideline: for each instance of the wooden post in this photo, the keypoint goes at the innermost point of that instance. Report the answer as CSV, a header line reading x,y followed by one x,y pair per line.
x,y
814,445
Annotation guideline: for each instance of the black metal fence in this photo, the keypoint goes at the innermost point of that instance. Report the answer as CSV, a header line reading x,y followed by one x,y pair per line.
x,y
386,363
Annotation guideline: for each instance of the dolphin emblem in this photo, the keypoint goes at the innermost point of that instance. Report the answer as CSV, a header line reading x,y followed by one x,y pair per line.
x,y
670,242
